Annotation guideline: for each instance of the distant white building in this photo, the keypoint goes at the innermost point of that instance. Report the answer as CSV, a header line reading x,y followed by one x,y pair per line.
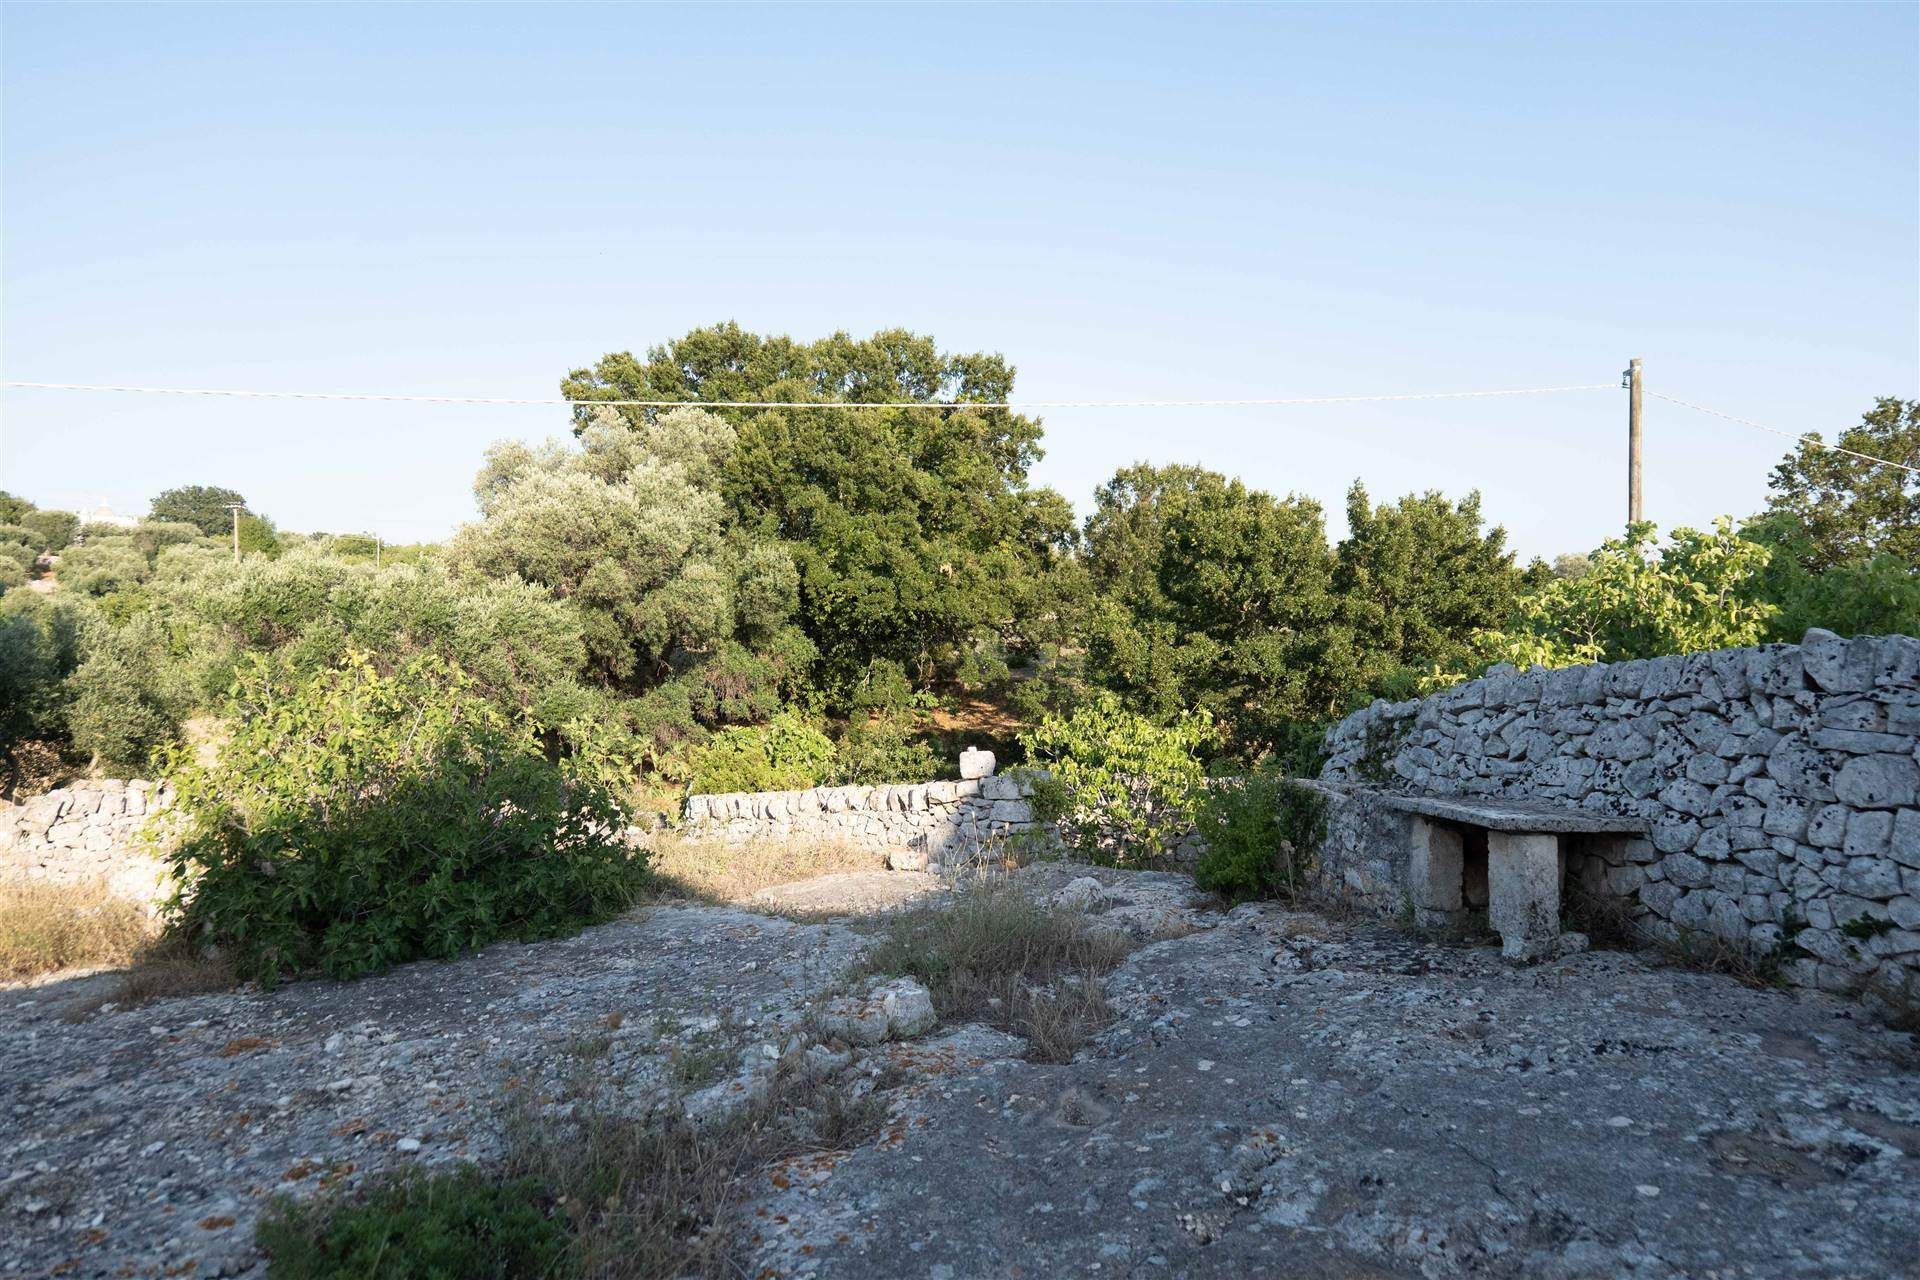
x,y
104,514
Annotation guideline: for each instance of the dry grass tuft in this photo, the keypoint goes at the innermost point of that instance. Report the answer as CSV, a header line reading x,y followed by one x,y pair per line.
x,y
651,1197
585,1187
170,967
992,954
47,927
732,873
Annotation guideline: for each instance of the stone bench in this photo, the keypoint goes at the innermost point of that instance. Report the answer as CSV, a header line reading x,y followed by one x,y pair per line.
x,y
1519,880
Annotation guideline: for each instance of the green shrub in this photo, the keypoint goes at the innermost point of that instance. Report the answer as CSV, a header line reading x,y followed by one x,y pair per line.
x,y
1122,788
885,748
1262,832
357,820
785,754
117,713
1641,600
104,565
52,530
39,646
420,1227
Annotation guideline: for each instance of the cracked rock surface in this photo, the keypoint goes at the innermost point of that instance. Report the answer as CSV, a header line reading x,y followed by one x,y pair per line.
x,y
1286,1095
148,1141
1281,1094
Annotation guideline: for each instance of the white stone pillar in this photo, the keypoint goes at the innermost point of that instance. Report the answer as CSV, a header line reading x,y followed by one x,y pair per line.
x,y
1434,872
1523,892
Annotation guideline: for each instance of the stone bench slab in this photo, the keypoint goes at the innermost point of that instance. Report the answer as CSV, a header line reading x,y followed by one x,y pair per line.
x,y
1505,815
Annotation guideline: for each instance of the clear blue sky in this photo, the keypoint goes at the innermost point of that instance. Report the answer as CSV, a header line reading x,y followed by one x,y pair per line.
x,y
1128,202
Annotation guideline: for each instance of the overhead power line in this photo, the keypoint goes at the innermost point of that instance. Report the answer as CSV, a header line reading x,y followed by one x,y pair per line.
x,y
1250,403
800,404
1803,438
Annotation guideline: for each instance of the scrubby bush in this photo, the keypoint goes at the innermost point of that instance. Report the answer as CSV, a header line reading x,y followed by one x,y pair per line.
x,y
785,754
104,565
884,748
128,696
1641,600
1122,787
52,530
39,647
421,1226
1262,831
356,820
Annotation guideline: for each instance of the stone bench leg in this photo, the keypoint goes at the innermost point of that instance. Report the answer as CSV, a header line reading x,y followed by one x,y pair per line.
x,y
1435,873
1523,892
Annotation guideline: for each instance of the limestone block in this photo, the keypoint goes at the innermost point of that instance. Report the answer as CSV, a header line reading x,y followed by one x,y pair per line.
x,y
1905,845
1827,828
1874,878
1000,788
1711,770
1728,878
1801,771
1672,834
1434,866
975,763
1868,834
1685,870
1688,797
1695,908
1837,665
1878,782
1787,817
1523,892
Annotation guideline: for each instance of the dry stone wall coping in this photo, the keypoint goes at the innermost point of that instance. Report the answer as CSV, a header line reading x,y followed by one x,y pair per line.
x,y
918,824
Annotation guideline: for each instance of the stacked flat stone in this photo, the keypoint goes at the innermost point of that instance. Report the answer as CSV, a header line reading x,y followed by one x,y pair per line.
x,y
89,831
951,822
1782,783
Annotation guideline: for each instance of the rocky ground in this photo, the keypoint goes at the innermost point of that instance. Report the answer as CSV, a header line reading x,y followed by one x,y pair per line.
x,y
1281,1094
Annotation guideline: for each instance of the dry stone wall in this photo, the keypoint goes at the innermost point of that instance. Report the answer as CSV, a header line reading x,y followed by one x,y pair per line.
x,y
1781,783
86,832
916,824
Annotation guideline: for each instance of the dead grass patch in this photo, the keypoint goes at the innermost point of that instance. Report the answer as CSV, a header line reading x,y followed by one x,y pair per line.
x,y
989,953
1610,924
648,1198
732,873
170,967
47,927
586,1188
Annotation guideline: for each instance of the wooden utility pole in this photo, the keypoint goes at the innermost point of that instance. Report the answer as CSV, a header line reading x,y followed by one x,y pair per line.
x,y
1634,515
235,508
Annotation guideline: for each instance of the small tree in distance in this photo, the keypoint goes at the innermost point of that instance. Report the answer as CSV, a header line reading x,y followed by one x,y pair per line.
x,y
1851,509
204,506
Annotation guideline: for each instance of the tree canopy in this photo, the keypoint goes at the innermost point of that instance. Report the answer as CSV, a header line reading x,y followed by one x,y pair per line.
x,y
1213,596
916,537
200,505
1851,509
